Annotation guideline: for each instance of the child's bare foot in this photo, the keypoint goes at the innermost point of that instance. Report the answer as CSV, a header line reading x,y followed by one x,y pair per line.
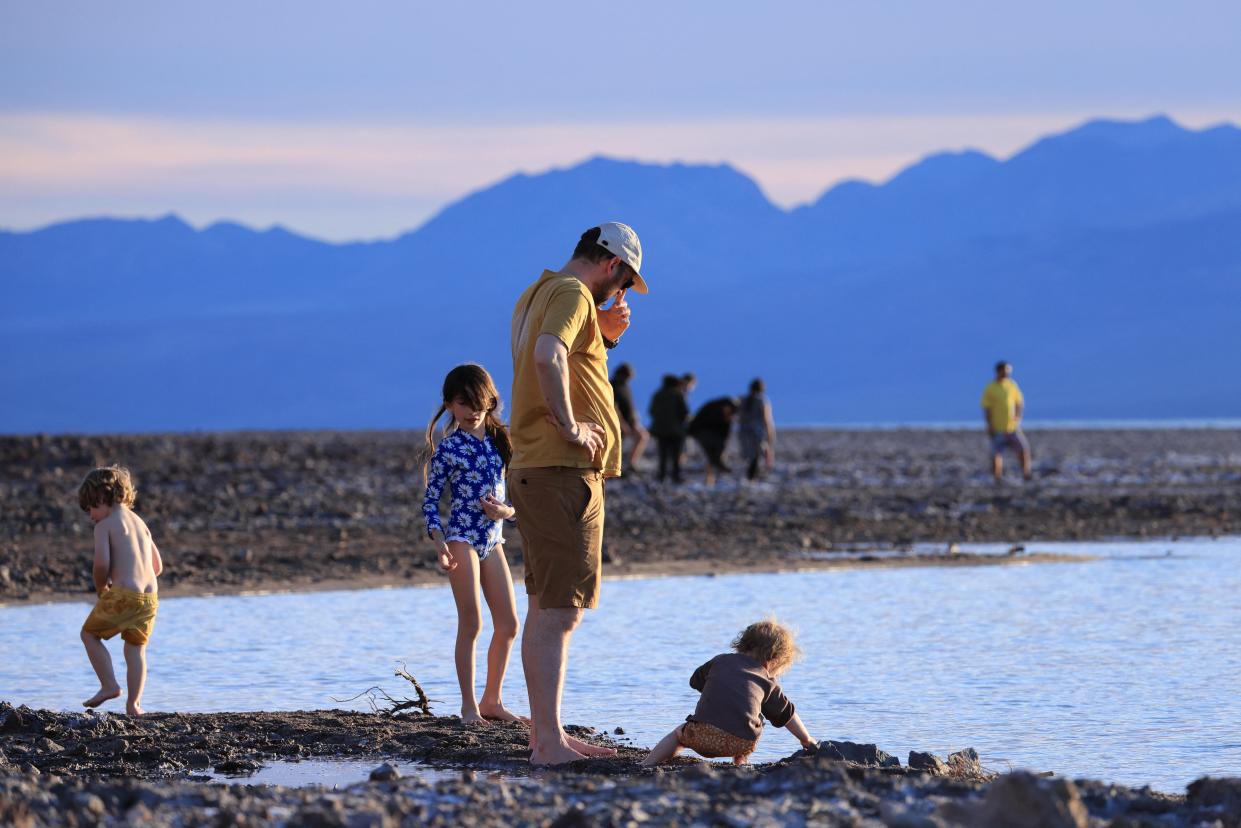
x,y
134,709
741,760
472,717
500,713
102,696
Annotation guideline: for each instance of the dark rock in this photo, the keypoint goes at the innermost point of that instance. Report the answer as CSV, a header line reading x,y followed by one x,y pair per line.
x,y
927,763
575,817
965,763
197,759
385,773
1216,792
620,731
237,766
1022,800
869,755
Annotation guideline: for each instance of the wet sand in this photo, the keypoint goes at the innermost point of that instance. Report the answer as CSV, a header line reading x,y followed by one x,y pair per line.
x,y
68,769
314,510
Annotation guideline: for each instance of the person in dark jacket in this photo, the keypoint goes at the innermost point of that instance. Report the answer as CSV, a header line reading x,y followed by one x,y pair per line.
x,y
633,435
669,411
710,428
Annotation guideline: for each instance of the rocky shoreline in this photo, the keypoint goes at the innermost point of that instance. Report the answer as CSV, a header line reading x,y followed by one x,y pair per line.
x,y
307,510
87,769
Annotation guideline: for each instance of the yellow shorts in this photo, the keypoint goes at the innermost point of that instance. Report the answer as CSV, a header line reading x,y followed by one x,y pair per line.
x,y
713,743
132,614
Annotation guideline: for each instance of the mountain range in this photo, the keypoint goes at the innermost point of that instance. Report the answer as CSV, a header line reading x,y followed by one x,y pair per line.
x,y
1104,262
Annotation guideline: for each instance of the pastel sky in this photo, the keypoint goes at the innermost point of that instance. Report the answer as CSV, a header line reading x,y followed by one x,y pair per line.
x,y
360,119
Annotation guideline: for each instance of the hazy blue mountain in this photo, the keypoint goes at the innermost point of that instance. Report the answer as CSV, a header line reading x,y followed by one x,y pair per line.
x,y
1105,262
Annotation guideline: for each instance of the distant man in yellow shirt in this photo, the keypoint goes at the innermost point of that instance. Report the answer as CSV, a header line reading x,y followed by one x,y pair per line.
x,y
1002,408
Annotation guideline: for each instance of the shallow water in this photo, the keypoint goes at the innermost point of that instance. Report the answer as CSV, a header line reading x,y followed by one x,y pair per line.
x,y
332,773
1123,669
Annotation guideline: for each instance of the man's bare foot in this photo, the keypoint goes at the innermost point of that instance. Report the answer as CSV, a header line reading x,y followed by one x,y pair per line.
x,y
587,749
500,713
102,696
473,717
556,754
134,709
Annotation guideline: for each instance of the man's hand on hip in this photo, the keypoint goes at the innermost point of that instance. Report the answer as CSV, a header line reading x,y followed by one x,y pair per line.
x,y
589,436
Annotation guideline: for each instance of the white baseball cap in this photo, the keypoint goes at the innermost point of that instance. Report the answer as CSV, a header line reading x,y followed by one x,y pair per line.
x,y
623,242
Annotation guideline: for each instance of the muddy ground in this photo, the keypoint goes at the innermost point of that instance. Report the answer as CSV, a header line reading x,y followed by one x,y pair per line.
x,y
316,509
87,769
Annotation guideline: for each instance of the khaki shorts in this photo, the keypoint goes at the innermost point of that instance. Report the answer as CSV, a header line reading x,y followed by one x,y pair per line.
x,y
560,518
118,610
709,741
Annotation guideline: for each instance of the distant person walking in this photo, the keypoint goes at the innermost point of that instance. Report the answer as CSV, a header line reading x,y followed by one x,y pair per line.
x,y
756,430
566,440
669,412
1003,407
710,428
633,435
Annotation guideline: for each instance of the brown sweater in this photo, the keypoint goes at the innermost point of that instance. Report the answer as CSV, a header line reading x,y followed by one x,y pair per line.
x,y
737,693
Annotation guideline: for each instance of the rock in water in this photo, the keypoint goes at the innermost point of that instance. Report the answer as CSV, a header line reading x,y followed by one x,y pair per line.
x,y
385,773
965,762
927,763
858,754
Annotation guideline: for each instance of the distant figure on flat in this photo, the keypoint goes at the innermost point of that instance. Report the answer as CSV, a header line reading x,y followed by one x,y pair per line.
x,y
710,428
633,435
669,414
127,563
756,430
1002,407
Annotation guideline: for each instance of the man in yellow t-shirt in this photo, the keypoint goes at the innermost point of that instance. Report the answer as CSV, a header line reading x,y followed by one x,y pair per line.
x,y
566,440
1002,409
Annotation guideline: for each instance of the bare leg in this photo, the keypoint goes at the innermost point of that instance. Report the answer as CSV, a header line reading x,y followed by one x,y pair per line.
x,y
497,582
743,759
668,747
464,581
135,676
997,466
97,652
1026,471
544,652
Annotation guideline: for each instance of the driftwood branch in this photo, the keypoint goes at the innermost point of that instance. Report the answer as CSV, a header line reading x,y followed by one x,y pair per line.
x,y
381,701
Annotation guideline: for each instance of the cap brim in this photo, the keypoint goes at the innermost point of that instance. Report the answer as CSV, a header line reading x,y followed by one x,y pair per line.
x,y
639,284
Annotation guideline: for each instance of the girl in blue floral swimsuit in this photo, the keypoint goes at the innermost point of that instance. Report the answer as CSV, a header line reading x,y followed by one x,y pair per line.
x,y
470,461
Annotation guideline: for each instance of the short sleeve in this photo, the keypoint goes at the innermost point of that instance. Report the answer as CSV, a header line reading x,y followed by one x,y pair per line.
x,y
568,312
1018,399
986,397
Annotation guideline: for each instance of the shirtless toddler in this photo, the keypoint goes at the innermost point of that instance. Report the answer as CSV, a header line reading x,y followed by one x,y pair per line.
x,y
126,565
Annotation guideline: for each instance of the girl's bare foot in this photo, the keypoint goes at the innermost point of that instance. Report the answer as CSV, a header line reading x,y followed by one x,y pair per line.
x,y
472,717
102,696
134,709
500,713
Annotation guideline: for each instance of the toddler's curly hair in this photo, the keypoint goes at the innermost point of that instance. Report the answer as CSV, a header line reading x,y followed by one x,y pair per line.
x,y
769,642
108,485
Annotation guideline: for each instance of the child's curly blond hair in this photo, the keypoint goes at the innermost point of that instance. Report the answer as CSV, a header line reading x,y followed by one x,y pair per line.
x,y
108,486
769,642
